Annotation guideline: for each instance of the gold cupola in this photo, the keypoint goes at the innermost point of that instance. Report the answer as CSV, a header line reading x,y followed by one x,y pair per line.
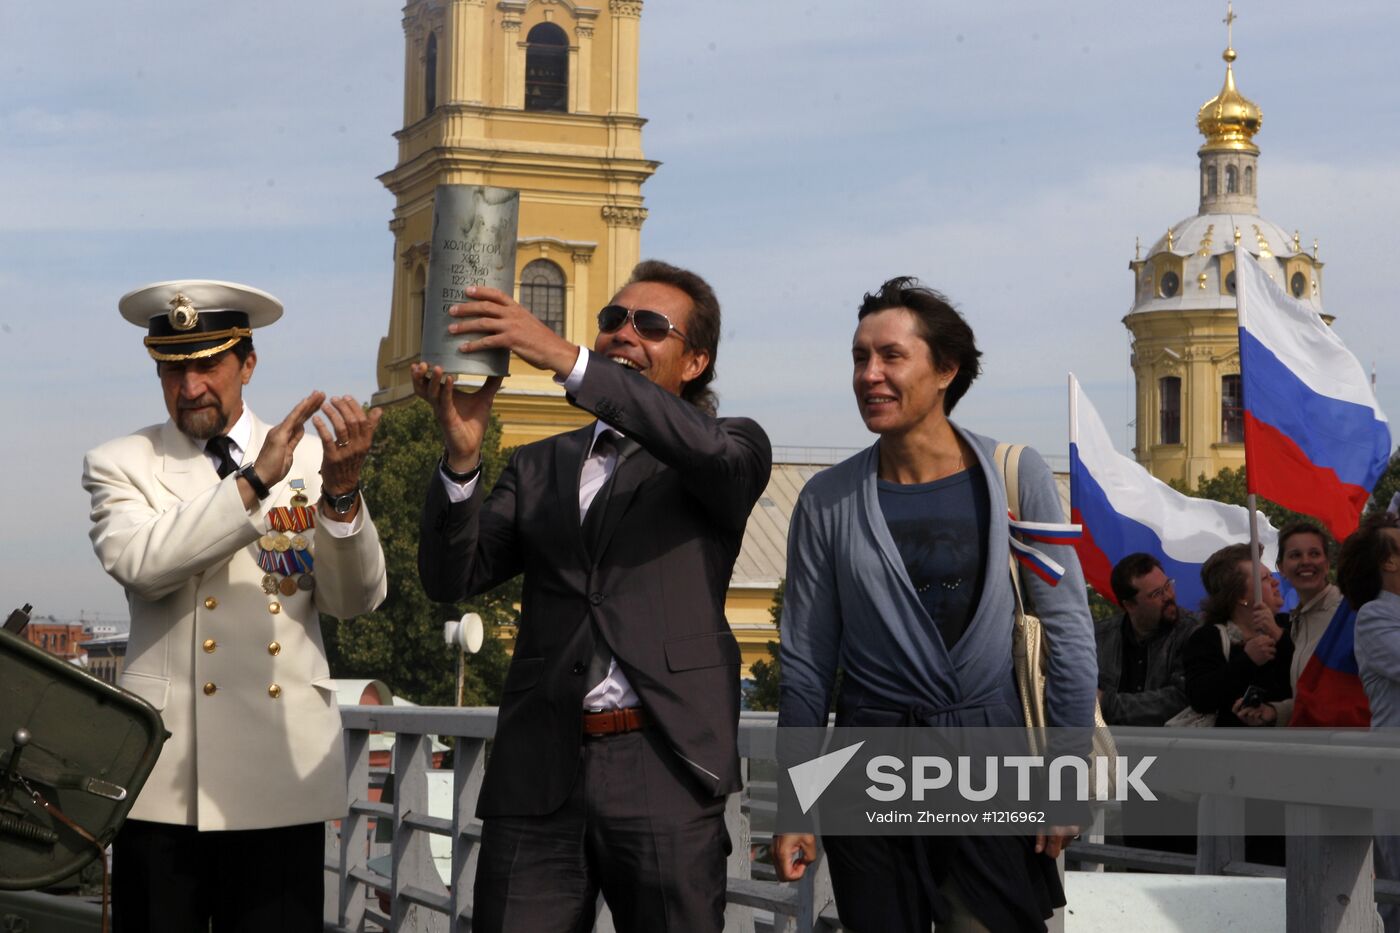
x,y
1229,120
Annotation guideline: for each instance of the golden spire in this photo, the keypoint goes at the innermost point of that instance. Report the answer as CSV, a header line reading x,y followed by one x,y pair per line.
x,y
1229,120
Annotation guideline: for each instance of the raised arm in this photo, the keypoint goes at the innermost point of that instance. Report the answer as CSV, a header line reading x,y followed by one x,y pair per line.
x,y
725,462
154,551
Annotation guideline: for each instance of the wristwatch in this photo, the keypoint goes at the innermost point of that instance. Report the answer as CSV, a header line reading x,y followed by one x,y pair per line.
x,y
341,504
254,481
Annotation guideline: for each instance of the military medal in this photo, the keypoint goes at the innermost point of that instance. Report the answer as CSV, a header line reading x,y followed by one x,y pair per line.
x,y
302,560
284,552
294,518
278,562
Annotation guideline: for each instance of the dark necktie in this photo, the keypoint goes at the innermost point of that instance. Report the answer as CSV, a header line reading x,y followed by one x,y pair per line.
x,y
220,446
601,661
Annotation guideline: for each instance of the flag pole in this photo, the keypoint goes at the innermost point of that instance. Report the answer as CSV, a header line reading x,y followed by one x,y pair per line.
x,y
1073,411
1257,589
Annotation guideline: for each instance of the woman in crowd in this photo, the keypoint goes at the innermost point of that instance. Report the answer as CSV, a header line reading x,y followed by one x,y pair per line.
x,y
1304,560
898,574
1243,685
1368,573
1237,664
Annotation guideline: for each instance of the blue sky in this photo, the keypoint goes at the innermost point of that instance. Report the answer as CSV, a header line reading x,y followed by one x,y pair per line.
x,y
1007,153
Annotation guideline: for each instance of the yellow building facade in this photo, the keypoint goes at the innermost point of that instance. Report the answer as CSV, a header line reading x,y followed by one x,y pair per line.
x,y
539,96
1184,325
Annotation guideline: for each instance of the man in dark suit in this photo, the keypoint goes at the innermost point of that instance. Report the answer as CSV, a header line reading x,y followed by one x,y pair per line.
x,y
615,747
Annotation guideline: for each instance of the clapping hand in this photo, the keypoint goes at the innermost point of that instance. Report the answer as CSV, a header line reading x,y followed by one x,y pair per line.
x,y
275,458
343,452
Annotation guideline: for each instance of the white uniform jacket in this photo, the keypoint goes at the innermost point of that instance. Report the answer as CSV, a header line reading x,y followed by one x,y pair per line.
x,y
239,675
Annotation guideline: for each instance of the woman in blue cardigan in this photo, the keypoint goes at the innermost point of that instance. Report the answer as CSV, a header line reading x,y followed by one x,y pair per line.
x,y
898,575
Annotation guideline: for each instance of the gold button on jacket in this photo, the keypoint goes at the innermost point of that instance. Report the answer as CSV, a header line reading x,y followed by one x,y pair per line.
x,y
274,691
209,645
274,648
211,603
210,689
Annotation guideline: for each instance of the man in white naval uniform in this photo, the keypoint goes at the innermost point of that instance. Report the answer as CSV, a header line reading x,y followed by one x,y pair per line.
x,y
230,536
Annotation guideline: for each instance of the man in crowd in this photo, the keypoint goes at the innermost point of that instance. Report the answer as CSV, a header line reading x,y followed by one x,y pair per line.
x,y
1141,678
616,744
231,536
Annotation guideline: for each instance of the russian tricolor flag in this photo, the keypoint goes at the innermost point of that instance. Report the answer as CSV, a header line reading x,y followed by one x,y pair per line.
x,y
1315,440
1125,509
1329,691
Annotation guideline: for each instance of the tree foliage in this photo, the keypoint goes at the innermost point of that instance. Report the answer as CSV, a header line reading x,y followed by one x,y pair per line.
x,y
401,642
1388,486
1228,486
763,694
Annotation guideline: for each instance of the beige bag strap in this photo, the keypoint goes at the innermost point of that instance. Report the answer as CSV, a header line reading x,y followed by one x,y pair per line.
x,y
1008,461
1224,641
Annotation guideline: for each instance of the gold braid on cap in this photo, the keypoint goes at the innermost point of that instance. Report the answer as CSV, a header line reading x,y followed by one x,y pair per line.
x,y
230,337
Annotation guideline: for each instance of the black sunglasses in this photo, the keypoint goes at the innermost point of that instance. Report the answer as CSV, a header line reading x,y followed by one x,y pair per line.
x,y
650,325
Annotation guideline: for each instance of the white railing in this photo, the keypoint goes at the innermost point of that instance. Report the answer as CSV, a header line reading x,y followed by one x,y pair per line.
x,y
413,886
1329,882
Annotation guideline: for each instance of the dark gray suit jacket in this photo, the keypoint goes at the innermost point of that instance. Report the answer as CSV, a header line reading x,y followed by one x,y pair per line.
x,y
655,586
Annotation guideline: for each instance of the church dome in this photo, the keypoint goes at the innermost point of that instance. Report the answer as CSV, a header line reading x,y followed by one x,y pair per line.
x,y
1199,250
1229,120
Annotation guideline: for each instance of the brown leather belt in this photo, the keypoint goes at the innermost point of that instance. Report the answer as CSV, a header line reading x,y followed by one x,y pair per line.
x,y
598,723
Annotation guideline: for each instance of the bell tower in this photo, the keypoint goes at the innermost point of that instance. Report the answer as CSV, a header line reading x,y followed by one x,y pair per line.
x,y
1184,325
540,96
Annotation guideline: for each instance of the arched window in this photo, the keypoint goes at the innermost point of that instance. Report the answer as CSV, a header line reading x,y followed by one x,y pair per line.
x,y
542,291
547,69
1231,410
430,75
1169,388
1232,180
1212,181
1249,179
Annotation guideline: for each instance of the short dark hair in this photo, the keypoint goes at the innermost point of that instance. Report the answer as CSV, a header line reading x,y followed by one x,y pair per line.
x,y
949,337
1225,583
1304,526
1129,569
1363,552
702,329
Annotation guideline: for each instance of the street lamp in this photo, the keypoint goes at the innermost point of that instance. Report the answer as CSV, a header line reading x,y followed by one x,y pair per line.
x,y
467,634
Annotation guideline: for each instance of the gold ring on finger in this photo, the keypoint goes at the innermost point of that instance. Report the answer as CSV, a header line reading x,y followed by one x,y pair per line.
x,y
342,443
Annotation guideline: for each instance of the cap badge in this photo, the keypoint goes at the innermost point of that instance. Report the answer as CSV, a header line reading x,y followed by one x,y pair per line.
x,y
183,315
